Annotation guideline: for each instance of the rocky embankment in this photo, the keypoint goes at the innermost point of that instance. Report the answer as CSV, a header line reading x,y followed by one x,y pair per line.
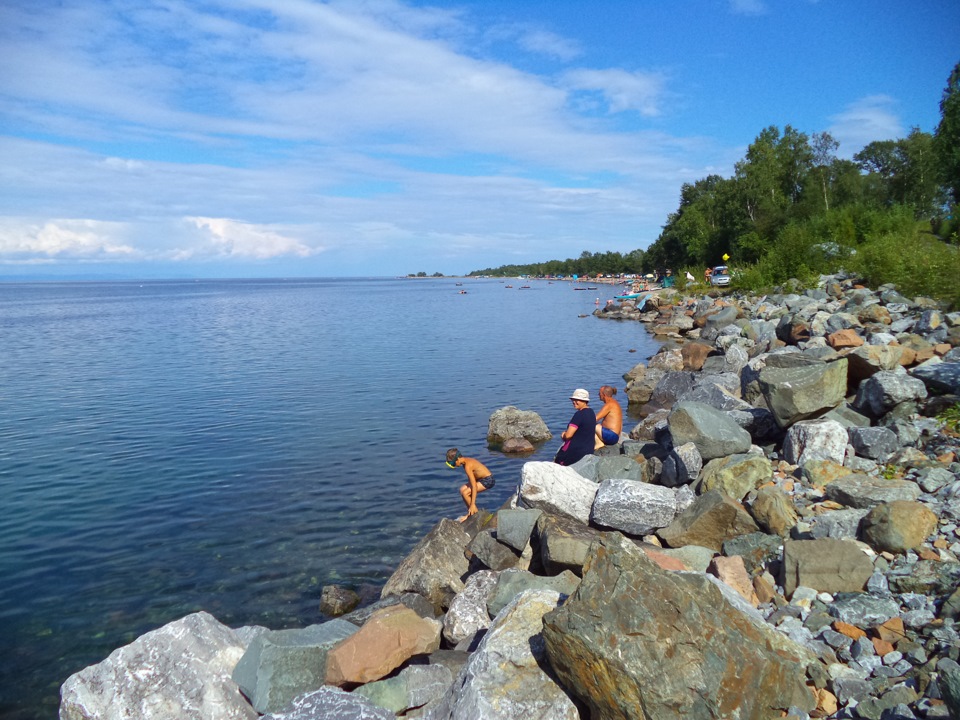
x,y
778,537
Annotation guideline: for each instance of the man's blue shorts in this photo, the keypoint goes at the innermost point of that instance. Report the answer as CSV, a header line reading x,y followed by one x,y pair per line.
x,y
609,437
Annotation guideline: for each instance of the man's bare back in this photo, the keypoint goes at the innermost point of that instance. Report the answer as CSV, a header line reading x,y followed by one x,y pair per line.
x,y
609,417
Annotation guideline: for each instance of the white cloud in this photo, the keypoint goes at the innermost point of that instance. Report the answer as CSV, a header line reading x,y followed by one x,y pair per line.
x,y
64,238
864,121
623,90
240,240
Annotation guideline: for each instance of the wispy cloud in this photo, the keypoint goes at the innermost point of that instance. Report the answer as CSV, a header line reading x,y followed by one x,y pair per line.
x,y
748,7
865,120
233,239
622,90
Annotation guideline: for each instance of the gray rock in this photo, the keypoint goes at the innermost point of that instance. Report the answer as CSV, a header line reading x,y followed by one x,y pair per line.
x,y
932,479
330,703
815,440
863,610
875,443
756,549
671,386
863,491
511,583
714,433
588,466
847,416
179,670
468,611
940,377
798,393
504,679
564,543
633,507
883,391
682,466
837,525
679,634
714,396
618,467
434,567
648,428
556,489
414,687
279,665
515,526
510,422
495,555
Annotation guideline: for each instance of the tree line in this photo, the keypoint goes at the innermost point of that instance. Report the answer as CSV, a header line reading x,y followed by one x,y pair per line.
x,y
793,208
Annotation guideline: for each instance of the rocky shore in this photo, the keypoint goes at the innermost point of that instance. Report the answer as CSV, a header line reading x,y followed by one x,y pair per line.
x,y
777,537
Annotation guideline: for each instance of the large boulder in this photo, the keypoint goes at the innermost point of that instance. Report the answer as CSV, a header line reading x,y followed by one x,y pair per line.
x,y
886,389
798,393
865,491
898,526
510,422
564,543
736,475
714,433
181,670
511,583
815,440
712,519
556,489
434,567
387,640
827,565
413,687
468,612
633,507
504,679
940,377
279,665
636,641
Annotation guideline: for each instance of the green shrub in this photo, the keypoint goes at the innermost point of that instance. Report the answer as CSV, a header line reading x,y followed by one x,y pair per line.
x,y
918,263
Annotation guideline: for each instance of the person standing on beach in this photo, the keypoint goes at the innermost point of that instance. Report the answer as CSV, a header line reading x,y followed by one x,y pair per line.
x,y
610,418
580,433
479,479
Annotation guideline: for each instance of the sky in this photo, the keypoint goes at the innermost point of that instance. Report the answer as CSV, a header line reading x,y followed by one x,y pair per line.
x,y
298,138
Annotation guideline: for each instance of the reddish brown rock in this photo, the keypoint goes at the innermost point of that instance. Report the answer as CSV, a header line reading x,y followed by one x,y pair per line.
x,y
388,639
694,355
847,338
851,631
732,572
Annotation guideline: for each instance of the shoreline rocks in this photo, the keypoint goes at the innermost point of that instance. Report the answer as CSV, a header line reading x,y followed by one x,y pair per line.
x,y
779,537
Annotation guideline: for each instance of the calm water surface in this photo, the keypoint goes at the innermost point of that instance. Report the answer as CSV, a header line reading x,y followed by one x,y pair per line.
x,y
233,446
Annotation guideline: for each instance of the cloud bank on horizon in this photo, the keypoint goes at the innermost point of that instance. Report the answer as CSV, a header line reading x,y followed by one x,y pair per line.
x,y
237,138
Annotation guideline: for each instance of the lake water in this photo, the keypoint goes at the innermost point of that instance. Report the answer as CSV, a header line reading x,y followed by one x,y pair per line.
x,y
233,446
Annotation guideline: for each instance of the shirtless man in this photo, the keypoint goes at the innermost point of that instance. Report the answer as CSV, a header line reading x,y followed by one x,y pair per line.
x,y
479,478
610,419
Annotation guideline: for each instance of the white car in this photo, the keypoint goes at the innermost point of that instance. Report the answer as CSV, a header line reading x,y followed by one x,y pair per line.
x,y
720,276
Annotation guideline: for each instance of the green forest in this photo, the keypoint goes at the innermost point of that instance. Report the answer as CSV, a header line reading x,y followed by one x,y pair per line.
x,y
793,209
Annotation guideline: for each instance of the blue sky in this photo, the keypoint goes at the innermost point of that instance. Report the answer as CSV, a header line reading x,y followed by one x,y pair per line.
x,y
260,138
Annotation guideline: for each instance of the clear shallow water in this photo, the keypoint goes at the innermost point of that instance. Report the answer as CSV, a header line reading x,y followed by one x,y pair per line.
x,y
233,446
